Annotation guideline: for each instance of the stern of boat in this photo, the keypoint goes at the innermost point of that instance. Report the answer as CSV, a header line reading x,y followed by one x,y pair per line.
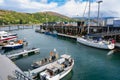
x,y
111,46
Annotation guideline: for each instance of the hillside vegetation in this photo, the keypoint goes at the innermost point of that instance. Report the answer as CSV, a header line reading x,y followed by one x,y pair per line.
x,y
12,17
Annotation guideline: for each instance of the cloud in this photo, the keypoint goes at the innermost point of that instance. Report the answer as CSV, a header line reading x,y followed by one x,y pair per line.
x,y
43,1
69,7
27,5
73,8
1,2
107,8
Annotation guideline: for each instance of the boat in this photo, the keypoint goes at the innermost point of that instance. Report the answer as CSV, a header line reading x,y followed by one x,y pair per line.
x,y
40,30
14,45
55,70
51,33
5,36
59,69
54,33
7,33
90,40
97,42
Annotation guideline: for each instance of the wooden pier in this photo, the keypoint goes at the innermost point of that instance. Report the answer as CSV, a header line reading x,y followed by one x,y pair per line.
x,y
67,36
24,53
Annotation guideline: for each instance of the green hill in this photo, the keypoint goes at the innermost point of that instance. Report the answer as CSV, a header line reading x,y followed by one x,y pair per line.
x,y
12,17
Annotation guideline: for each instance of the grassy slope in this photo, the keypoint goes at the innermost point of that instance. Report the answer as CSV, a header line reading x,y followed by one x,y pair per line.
x,y
12,17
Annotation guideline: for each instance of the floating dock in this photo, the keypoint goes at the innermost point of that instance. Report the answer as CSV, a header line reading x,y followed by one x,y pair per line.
x,y
24,53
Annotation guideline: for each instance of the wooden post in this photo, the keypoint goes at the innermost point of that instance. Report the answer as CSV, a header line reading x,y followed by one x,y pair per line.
x,y
9,27
32,26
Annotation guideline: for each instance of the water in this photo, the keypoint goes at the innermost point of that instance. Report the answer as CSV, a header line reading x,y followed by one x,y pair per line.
x,y
90,63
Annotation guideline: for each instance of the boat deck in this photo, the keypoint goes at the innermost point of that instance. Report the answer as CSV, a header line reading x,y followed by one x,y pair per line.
x,y
42,68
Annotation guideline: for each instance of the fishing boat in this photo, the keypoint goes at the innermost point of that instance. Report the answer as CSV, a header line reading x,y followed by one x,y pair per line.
x,y
55,70
59,69
90,40
14,45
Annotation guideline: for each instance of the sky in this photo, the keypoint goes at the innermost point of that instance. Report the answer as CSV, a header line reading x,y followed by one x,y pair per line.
x,y
70,8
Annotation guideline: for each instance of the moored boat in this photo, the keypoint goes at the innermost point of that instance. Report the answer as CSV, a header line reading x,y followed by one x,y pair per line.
x,y
59,69
55,70
14,45
5,36
96,42
4,33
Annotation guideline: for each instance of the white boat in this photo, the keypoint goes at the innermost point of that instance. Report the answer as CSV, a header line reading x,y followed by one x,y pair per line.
x,y
58,69
102,44
4,33
8,33
5,36
54,70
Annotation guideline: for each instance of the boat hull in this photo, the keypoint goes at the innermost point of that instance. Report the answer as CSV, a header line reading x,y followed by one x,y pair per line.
x,y
8,38
64,73
99,45
67,71
54,34
12,47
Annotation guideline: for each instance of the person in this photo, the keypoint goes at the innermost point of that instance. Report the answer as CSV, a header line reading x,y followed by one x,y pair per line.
x,y
57,56
113,41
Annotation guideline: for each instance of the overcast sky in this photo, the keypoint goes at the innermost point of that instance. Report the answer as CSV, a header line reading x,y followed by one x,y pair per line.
x,y
71,8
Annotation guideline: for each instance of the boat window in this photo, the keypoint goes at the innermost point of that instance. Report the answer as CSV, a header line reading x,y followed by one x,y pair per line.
x,y
43,77
4,36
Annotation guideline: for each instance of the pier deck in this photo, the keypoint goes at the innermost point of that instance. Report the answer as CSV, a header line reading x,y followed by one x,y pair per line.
x,y
24,53
7,68
68,36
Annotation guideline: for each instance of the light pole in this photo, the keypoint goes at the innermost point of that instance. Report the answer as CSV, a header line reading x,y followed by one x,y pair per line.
x,y
99,1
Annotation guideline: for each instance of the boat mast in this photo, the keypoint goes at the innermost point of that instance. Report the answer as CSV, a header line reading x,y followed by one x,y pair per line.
x,y
89,17
99,1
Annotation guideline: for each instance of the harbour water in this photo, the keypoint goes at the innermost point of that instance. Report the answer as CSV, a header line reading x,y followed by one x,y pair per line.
x,y
90,63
